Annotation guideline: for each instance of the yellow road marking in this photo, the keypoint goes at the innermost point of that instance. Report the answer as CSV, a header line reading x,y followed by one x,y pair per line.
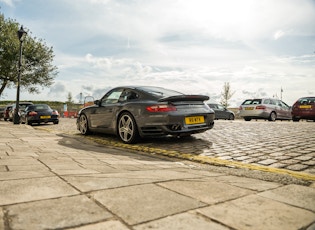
x,y
205,159
202,159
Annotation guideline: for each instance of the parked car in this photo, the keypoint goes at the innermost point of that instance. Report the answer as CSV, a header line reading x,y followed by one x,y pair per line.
x,y
265,108
133,112
6,114
221,112
2,112
304,108
22,106
39,113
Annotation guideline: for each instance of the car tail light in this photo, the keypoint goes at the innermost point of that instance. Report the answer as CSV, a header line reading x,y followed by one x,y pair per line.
x,y
32,113
55,112
160,108
260,107
240,108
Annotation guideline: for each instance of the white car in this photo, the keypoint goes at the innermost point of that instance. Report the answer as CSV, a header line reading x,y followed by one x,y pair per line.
x,y
265,108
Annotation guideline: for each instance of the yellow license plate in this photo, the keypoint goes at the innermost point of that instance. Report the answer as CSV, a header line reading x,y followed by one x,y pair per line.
x,y
44,117
305,106
249,108
194,120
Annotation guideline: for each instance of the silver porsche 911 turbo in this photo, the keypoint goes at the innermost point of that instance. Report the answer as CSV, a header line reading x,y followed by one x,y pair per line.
x,y
134,112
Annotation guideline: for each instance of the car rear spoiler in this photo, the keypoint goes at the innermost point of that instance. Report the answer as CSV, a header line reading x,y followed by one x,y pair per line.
x,y
184,98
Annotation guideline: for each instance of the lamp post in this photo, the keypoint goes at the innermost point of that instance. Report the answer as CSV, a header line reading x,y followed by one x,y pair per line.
x,y
16,120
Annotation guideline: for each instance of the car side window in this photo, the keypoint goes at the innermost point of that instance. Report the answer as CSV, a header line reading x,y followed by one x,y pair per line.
x,y
220,107
112,97
128,95
284,105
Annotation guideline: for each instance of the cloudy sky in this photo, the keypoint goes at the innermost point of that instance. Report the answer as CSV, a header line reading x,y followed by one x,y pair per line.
x,y
193,46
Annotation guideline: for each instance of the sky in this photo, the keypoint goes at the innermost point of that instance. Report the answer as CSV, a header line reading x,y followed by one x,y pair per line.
x,y
192,46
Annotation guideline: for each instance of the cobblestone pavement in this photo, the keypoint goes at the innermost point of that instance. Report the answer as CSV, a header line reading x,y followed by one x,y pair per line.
x,y
281,144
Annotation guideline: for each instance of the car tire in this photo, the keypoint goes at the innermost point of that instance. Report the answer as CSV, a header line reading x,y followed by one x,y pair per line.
x,y
294,119
27,121
272,116
247,119
56,122
127,128
84,125
231,117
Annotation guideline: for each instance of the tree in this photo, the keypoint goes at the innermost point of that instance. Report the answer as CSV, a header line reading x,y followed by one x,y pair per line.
x,y
37,70
226,94
70,99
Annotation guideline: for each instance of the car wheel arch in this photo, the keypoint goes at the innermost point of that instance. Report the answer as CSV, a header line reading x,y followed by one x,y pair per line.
x,y
85,117
118,115
135,135
272,116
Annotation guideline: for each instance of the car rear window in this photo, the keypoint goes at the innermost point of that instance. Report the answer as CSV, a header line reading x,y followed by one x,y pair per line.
x,y
252,102
38,107
307,100
160,92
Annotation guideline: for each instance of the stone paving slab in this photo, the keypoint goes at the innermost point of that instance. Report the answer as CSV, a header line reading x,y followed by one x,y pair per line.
x,y
184,221
113,180
298,196
14,175
248,183
259,213
24,190
111,224
141,203
206,190
55,213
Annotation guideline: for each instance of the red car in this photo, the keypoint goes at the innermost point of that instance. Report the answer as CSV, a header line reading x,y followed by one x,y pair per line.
x,y
304,108
6,111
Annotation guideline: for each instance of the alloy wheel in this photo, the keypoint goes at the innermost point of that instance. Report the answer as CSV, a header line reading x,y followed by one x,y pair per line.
x,y
83,124
127,128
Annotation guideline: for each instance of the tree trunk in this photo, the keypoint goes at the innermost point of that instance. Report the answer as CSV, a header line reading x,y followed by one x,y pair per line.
x,y
4,84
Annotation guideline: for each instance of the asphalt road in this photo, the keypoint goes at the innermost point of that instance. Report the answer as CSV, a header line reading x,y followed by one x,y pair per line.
x,y
279,145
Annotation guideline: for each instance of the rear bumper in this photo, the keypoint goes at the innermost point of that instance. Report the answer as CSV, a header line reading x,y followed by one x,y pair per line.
x,y
255,114
174,126
304,114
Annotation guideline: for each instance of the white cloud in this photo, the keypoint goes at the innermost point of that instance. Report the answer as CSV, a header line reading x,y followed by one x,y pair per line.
x,y
278,34
8,2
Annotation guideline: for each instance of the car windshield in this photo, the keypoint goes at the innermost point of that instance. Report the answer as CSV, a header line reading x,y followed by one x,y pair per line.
x,y
160,92
252,102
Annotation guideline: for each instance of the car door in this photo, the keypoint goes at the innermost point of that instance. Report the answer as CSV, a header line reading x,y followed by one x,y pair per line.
x,y
104,115
221,112
285,110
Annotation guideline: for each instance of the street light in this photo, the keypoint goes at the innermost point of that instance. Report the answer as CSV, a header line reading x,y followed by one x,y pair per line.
x,y
16,120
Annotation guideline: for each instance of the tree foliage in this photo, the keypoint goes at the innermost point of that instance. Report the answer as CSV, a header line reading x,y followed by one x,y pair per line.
x,y
226,94
37,70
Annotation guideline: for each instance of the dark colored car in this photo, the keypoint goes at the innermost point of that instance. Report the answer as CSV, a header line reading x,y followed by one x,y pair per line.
x,y
265,108
6,112
39,113
22,106
304,108
221,112
133,112
2,112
